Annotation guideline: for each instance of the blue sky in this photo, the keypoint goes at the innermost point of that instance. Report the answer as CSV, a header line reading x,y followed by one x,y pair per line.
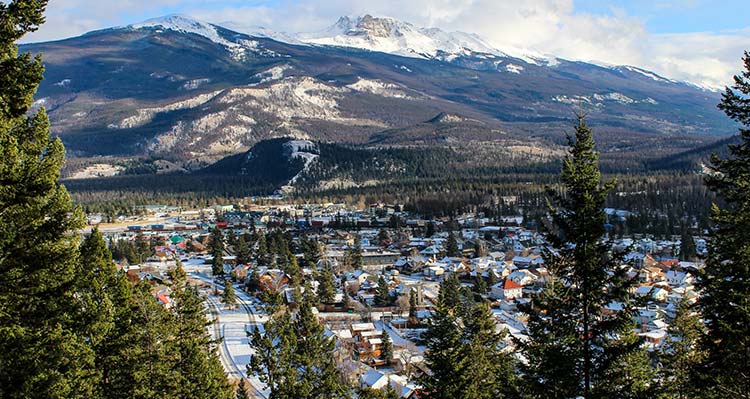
x,y
693,40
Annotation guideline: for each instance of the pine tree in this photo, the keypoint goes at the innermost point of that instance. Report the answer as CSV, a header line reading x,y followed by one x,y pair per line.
x,y
443,355
326,289
465,355
192,352
217,251
354,255
105,296
244,254
43,353
413,320
687,246
228,296
252,283
574,347
262,254
490,373
451,247
386,353
294,358
679,354
725,282
450,292
383,293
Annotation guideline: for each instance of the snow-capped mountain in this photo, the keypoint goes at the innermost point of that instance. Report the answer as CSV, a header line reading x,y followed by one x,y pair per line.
x,y
184,24
389,35
190,91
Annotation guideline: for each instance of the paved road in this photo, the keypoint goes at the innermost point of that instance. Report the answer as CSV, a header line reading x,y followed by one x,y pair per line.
x,y
231,325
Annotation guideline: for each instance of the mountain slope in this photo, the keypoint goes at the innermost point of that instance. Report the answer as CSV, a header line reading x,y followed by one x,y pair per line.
x,y
192,93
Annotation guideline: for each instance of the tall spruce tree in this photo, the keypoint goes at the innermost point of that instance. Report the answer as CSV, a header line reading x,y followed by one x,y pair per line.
x,y
43,353
383,293
228,296
386,353
465,355
575,346
294,358
192,352
326,289
105,296
725,282
679,354
217,251
451,247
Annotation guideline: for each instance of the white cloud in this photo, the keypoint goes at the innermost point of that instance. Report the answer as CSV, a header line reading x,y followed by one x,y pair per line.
x,y
547,26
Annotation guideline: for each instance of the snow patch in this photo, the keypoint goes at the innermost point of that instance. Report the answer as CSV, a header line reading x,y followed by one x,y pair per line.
x,y
512,68
379,88
146,115
271,74
195,83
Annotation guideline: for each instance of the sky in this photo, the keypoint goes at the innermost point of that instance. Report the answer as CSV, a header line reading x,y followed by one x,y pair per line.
x,y
700,41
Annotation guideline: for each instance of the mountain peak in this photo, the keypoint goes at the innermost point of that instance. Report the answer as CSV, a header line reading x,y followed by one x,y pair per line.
x,y
184,24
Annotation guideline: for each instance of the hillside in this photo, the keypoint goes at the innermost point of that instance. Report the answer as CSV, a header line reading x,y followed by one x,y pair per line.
x,y
191,93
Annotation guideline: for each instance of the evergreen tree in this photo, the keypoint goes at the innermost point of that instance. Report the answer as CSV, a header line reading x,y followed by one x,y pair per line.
x,y
443,355
383,237
725,282
574,347
252,283
326,289
193,353
450,292
262,254
43,353
217,251
430,229
451,247
354,254
687,246
105,295
244,254
679,354
490,372
383,293
386,393
294,358
413,320
386,353
228,296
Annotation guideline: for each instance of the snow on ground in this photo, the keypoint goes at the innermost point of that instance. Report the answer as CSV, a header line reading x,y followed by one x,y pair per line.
x,y
379,88
512,68
271,74
232,326
145,115
98,170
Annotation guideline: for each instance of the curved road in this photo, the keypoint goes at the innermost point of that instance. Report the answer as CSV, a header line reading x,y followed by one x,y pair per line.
x,y
231,325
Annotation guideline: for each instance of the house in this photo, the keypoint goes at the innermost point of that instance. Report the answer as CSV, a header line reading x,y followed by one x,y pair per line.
x,y
678,279
506,289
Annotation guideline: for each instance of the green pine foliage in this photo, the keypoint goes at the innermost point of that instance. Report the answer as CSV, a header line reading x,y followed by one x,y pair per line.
x,y
294,358
451,247
679,355
228,296
192,351
43,352
383,293
386,353
464,353
326,288
725,282
217,251
575,347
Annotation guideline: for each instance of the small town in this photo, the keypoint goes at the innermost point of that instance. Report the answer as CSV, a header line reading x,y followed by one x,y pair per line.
x,y
375,275
323,199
